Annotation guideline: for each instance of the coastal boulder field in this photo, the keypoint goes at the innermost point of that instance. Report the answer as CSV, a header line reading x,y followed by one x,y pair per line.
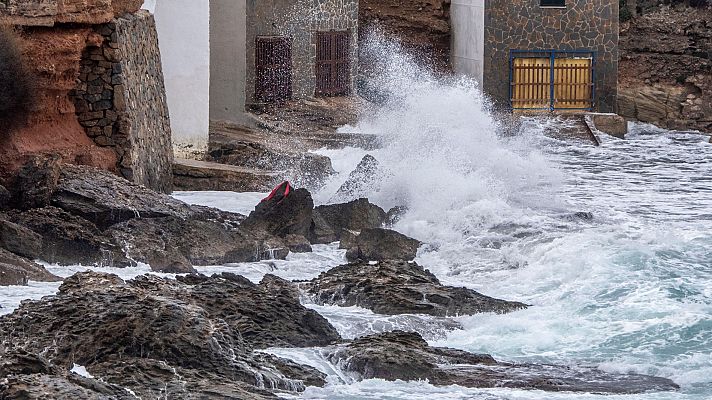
x,y
193,336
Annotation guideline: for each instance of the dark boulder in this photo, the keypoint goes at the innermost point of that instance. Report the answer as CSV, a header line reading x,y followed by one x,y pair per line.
x,y
19,240
106,199
12,275
96,320
5,198
205,238
286,211
382,244
395,214
298,244
406,356
153,379
400,287
36,181
330,220
67,239
69,386
266,315
22,269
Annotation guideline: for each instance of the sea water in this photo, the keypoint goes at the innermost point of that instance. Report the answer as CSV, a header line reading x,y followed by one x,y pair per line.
x,y
611,245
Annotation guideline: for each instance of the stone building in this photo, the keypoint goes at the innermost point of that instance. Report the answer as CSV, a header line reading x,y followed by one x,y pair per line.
x,y
101,98
266,51
539,54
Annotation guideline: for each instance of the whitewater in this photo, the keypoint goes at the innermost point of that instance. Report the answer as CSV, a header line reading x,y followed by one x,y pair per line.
x,y
611,245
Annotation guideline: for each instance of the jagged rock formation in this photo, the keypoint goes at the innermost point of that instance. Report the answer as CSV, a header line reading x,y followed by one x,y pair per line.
x,y
666,67
399,287
89,216
156,336
406,356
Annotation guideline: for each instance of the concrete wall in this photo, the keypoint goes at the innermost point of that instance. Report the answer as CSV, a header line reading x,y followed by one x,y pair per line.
x,y
590,25
468,35
183,34
300,20
228,30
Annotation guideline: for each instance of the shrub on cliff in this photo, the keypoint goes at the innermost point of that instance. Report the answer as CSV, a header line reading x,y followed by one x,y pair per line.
x,y
17,94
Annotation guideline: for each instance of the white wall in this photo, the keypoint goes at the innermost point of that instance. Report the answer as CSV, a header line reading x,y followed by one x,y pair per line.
x,y
468,36
183,35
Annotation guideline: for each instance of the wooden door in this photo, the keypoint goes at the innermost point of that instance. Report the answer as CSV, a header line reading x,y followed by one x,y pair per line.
x,y
273,69
333,65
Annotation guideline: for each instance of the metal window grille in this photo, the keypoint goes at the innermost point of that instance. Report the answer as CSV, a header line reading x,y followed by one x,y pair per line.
x,y
333,63
552,80
273,69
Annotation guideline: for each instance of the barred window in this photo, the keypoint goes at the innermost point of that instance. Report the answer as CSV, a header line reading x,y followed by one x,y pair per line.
x,y
553,3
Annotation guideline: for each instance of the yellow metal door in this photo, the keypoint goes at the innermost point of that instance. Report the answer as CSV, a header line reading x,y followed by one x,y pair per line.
x,y
572,83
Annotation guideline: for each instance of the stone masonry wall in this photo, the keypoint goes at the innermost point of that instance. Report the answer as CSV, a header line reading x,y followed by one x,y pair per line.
x,y
523,25
121,100
300,20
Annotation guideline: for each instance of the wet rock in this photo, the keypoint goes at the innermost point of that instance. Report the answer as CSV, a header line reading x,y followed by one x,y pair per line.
x,y
382,244
198,327
400,287
106,199
41,387
206,238
348,239
330,220
361,180
21,267
298,244
67,239
5,197
11,275
406,356
285,212
395,214
19,240
36,181
152,379
266,315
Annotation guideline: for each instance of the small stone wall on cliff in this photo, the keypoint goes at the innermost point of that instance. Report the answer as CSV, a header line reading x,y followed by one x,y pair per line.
x,y
523,25
666,68
121,100
300,20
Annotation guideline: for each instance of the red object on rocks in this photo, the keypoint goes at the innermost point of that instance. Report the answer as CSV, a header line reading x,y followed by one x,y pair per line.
x,y
280,192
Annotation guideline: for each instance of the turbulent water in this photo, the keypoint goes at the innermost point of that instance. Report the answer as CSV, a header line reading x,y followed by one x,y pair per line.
x,y
628,290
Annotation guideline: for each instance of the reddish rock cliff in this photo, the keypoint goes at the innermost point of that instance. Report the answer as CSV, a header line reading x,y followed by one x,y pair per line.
x,y
53,55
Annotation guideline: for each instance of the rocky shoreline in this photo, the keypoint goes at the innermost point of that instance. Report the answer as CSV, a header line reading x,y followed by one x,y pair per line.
x,y
204,337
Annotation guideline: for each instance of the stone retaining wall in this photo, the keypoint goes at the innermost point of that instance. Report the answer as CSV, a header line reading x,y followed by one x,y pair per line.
x,y
121,103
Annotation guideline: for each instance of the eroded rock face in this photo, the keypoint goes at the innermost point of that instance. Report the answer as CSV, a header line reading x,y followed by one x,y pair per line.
x,y
330,220
406,356
400,287
36,181
381,244
19,266
50,12
665,68
106,199
200,326
5,197
18,239
67,239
